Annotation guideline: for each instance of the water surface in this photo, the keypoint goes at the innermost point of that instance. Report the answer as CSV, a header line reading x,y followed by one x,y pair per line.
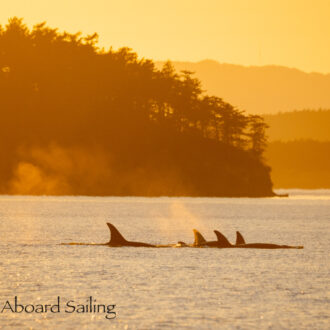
x,y
168,288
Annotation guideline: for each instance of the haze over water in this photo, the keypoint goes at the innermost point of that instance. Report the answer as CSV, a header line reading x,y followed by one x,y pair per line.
x,y
174,287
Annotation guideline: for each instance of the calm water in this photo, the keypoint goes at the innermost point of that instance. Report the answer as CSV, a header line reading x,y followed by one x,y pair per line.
x,y
167,288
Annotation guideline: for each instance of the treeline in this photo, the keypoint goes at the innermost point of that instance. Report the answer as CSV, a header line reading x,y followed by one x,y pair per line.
x,y
303,124
262,89
152,132
300,164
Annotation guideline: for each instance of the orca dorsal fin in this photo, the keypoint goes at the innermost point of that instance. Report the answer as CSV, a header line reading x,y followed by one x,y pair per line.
x,y
222,239
115,236
199,239
239,238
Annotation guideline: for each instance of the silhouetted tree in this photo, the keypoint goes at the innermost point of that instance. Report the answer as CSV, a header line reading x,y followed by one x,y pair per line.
x,y
257,134
157,129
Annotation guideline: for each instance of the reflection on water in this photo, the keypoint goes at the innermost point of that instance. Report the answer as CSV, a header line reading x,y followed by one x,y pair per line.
x,y
168,288
305,193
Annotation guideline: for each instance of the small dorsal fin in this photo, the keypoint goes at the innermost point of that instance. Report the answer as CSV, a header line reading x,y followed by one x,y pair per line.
x,y
239,238
199,239
222,240
115,236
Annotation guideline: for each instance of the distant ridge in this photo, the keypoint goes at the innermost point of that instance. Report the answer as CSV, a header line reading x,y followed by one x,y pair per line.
x,y
299,125
261,89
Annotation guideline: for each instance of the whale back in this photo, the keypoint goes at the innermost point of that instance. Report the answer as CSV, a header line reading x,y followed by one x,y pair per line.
x,y
199,239
116,238
222,239
239,238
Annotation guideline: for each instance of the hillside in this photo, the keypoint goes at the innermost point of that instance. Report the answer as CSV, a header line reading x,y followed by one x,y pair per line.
x,y
78,120
264,89
297,125
300,164
299,149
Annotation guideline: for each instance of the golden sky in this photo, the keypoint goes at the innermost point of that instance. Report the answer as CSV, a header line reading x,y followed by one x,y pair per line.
x,y
294,33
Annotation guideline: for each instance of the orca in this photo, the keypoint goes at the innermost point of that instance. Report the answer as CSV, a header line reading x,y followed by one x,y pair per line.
x,y
239,238
180,244
221,242
240,243
200,241
116,240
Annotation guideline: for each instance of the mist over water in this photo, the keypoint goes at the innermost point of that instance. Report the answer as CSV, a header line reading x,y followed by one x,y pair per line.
x,y
174,287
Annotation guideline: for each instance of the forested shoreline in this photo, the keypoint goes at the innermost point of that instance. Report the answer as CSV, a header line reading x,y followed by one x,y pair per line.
x,y
307,124
298,150
303,164
77,119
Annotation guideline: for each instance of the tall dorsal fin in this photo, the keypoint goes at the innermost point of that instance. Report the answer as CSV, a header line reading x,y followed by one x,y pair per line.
x,y
239,238
222,240
115,236
199,239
